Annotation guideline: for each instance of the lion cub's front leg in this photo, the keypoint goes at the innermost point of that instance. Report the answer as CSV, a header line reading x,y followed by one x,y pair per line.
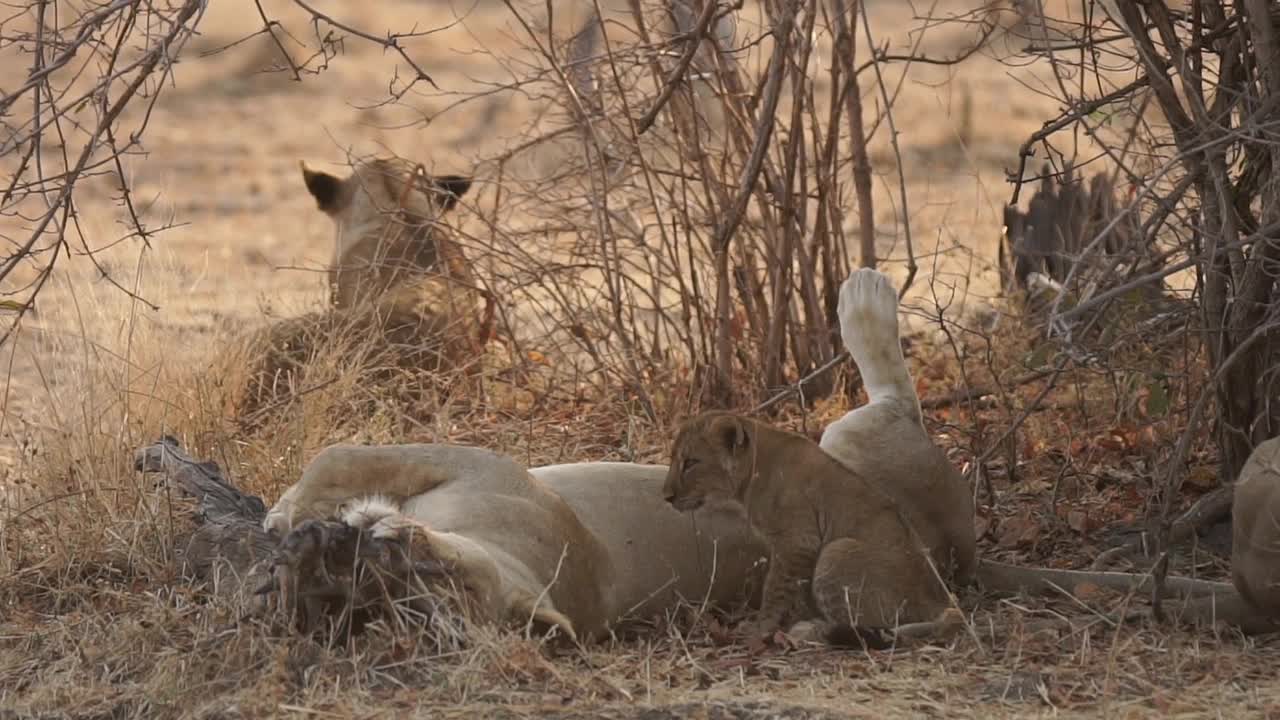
x,y
786,591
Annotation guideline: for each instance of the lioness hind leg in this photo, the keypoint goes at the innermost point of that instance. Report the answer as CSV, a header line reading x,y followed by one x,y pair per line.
x,y
863,589
868,310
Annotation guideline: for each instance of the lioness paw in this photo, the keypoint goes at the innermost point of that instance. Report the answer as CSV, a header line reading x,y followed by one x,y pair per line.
x,y
805,631
759,629
868,310
363,513
279,520
380,516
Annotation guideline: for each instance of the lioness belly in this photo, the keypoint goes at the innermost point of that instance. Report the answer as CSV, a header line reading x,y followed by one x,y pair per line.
x,y
659,555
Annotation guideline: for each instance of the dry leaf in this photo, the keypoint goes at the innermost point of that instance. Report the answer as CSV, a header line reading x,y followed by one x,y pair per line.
x,y
981,526
1086,591
1078,520
1203,477
1018,530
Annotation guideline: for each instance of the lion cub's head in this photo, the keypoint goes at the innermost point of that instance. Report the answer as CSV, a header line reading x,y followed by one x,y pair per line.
x,y
381,189
712,459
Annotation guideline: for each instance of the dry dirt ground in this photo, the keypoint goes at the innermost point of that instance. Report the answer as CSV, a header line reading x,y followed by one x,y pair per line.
x,y
94,375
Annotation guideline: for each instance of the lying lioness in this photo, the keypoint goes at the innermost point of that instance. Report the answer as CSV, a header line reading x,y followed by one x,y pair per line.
x,y
829,529
582,547
1255,517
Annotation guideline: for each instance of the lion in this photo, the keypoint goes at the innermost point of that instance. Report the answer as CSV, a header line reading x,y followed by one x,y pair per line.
x,y
387,235
837,542
885,440
1255,518
400,288
582,547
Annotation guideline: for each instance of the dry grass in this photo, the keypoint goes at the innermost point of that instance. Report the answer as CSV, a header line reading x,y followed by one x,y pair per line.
x,y
98,625
95,623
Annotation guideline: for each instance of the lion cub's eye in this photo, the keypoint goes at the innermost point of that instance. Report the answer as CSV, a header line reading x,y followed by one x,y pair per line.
x,y
689,463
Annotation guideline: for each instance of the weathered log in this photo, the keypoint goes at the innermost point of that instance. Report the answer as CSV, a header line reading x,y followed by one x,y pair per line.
x,y
226,547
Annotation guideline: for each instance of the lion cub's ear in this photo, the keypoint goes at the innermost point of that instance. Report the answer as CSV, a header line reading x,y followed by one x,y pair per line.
x,y
731,430
452,188
325,188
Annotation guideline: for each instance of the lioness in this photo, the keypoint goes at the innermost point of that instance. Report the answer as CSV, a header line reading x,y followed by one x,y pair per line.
x,y
392,257
386,218
885,440
582,546
828,528
401,289
1255,518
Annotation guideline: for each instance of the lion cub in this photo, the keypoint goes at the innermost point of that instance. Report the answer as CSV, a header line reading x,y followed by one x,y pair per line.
x,y
839,545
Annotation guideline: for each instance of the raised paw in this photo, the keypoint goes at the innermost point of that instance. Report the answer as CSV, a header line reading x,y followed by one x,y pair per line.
x,y
868,310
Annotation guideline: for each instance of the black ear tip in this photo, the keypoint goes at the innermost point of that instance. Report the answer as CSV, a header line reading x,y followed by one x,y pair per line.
x,y
452,187
322,186
455,184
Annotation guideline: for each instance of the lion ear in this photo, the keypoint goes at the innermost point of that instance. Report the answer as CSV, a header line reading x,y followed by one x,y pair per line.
x,y
451,188
324,187
732,432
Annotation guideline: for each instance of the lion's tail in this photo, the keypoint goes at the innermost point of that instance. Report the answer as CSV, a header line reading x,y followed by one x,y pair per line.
x,y
947,625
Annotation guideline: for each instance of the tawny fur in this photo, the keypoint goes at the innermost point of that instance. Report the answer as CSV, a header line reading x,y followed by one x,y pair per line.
x,y
389,237
583,546
839,545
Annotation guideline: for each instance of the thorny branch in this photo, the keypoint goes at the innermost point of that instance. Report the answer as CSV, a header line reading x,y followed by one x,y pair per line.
x,y
1202,209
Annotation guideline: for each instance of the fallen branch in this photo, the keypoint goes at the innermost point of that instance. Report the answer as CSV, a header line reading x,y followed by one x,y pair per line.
x,y
1204,601
1002,577
1209,509
228,547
